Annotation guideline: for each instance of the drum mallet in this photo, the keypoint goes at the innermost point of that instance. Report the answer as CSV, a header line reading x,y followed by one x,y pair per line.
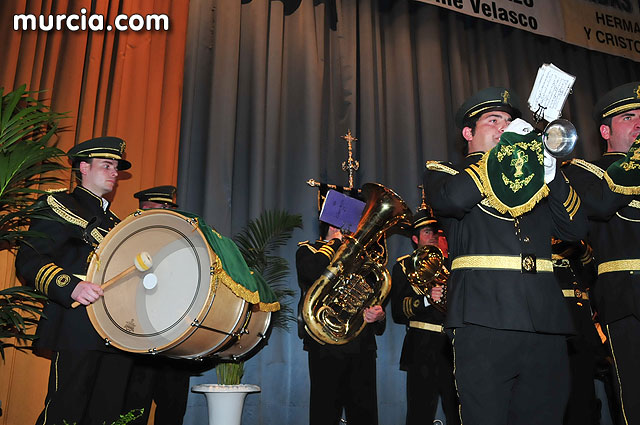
x,y
141,262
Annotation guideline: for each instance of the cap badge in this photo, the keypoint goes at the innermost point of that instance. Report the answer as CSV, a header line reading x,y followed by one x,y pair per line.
x,y
505,96
637,92
122,146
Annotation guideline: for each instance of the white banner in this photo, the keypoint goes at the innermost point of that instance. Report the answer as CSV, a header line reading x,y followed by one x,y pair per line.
x,y
611,26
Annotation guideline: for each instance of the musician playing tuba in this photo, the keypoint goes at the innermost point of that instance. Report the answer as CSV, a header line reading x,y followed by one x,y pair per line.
x,y
427,356
342,376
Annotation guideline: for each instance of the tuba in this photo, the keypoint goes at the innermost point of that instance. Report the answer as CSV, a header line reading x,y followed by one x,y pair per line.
x,y
356,278
425,269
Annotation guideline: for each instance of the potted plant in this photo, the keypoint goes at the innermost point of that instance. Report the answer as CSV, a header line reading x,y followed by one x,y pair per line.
x,y
258,243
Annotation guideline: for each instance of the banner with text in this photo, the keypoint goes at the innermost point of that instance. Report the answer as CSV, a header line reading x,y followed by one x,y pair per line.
x,y
610,26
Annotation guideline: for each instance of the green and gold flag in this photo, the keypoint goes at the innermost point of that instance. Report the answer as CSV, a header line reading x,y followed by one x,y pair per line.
x,y
511,175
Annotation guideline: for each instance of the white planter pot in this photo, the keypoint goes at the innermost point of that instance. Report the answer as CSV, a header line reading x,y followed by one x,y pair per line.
x,y
225,402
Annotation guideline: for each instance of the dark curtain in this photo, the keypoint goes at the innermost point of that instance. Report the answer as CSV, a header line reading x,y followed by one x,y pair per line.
x,y
268,95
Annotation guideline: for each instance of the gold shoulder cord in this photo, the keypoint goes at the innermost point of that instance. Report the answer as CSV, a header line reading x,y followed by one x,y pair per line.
x,y
437,166
65,213
593,169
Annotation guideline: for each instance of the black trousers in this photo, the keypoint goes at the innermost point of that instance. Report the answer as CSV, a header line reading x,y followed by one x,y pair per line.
x,y
430,378
624,341
163,380
86,387
510,377
343,381
583,407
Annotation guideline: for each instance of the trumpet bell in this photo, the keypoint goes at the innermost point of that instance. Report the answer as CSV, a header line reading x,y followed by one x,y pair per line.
x,y
559,138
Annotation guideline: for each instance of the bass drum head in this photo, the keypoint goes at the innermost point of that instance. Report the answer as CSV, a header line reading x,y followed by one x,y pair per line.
x,y
136,319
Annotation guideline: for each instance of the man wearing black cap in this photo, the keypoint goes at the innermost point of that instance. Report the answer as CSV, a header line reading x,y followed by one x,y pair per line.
x,y
87,379
506,314
160,379
426,352
609,188
342,376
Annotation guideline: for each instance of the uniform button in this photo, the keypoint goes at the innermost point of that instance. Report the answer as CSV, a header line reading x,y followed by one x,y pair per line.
x,y
526,239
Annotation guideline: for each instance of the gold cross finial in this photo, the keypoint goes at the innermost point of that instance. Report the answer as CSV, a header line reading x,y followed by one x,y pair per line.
x,y
350,165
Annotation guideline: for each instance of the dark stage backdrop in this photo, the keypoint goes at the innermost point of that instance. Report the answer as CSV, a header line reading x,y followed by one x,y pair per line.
x,y
267,97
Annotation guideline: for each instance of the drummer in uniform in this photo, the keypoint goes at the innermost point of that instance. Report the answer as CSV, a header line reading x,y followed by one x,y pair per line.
x,y
426,352
87,379
162,380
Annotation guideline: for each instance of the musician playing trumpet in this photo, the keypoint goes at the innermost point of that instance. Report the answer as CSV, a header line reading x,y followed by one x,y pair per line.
x,y
426,352
505,312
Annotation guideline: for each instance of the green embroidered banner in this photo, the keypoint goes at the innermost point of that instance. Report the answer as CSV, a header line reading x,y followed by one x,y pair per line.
x,y
512,173
623,176
235,273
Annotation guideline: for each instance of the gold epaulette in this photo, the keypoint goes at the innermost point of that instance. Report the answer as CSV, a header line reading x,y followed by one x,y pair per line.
x,y
592,168
438,166
52,191
303,243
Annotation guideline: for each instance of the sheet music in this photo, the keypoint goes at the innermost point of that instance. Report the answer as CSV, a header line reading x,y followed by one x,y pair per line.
x,y
550,92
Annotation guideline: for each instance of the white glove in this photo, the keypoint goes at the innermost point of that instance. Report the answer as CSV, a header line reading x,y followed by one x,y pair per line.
x,y
549,167
519,126
426,302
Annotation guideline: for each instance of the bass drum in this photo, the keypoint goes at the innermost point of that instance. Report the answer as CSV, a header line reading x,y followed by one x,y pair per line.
x,y
189,313
252,338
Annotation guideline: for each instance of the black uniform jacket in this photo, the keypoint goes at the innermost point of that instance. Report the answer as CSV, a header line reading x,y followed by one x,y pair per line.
x,y
406,306
503,299
56,263
614,234
311,261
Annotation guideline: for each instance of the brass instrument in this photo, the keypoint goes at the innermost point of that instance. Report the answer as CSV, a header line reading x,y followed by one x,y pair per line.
x,y
425,269
559,137
356,278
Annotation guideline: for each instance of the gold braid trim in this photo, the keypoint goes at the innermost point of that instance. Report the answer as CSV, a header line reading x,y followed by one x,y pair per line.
x,y
437,166
624,190
65,213
407,307
592,168
240,291
493,200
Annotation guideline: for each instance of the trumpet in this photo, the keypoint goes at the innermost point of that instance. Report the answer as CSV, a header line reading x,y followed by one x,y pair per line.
x,y
559,137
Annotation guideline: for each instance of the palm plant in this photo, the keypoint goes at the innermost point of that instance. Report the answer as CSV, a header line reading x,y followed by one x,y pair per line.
x,y
27,160
258,243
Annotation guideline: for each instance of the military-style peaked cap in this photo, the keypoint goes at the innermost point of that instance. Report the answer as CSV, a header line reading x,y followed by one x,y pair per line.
x,y
159,194
101,147
424,217
489,99
621,99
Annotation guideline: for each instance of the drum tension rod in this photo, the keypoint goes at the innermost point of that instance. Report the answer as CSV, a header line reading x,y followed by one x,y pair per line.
x,y
197,324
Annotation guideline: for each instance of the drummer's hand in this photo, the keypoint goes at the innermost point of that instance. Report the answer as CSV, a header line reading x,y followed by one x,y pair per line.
x,y
374,314
86,292
436,293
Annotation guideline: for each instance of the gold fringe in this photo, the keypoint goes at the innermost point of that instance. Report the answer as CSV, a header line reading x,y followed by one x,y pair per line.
x,y
496,203
242,292
624,190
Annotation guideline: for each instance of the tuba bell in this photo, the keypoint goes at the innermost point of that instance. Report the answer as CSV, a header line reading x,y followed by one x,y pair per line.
x,y
425,269
356,278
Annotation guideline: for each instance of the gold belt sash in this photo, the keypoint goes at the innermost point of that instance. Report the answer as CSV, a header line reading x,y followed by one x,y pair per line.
x,y
575,293
425,326
619,266
502,262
